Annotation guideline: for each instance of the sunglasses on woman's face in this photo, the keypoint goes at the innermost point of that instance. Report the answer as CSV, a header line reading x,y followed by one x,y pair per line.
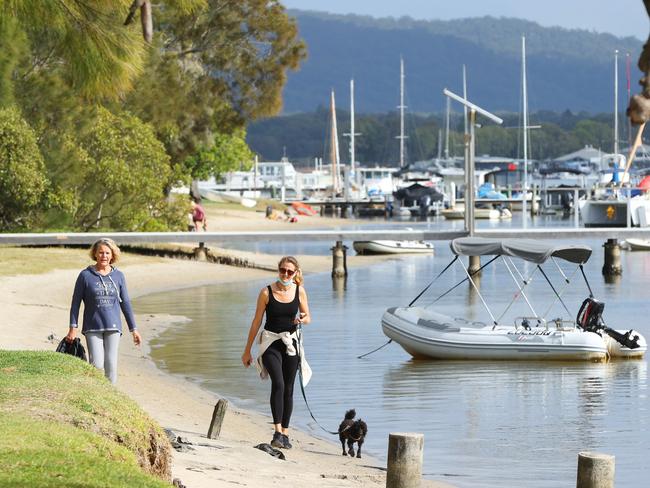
x,y
288,272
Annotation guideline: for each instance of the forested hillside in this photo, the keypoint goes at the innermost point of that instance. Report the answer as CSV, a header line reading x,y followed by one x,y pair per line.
x,y
567,69
305,136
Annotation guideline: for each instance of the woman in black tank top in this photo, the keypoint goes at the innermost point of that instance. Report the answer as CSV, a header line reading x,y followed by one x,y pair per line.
x,y
285,305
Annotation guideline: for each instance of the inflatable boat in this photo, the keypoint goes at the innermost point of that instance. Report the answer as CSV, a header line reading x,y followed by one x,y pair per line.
x,y
423,332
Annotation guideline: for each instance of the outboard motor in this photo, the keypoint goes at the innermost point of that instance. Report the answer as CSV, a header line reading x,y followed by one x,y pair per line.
x,y
590,319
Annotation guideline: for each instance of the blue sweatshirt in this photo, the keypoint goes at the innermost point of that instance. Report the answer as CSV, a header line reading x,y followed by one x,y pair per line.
x,y
103,298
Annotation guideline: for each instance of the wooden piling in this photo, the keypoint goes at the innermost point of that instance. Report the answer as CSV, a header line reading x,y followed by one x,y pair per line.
x,y
217,419
612,263
201,252
595,470
339,260
405,453
474,265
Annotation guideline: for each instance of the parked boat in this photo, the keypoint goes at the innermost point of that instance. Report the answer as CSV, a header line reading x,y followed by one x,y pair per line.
x,y
458,213
638,244
222,196
423,332
392,247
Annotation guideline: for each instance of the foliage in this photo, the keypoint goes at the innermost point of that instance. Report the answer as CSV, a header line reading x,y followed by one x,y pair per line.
x,y
84,39
62,422
229,152
13,52
22,181
214,69
304,136
120,172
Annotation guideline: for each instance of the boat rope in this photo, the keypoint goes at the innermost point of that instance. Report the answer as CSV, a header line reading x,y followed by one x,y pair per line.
x,y
478,292
554,290
302,387
434,280
582,270
464,280
375,350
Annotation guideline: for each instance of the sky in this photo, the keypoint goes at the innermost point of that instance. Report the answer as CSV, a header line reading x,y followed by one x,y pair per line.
x,y
619,17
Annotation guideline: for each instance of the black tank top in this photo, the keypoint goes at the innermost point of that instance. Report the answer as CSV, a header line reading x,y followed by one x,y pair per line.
x,y
279,316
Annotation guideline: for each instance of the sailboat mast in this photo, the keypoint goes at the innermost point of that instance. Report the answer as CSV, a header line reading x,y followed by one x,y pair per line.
x,y
352,134
525,113
448,113
629,95
465,97
401,107
334,146
616,102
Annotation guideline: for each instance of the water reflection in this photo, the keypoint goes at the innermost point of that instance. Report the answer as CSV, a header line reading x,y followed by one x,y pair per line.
x,y
485,424
523,412
338,285
612,279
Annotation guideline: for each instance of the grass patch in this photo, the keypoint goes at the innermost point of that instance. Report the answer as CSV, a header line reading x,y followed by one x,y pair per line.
x,y
63,424
37,260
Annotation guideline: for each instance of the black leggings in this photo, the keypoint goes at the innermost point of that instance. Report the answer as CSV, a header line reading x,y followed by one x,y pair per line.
x,y
282,370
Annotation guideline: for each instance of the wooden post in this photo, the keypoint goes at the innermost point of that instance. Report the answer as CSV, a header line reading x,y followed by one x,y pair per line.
x,y
534,205
405,452
474,265
217,419
201,252
612,263
595,470
339,258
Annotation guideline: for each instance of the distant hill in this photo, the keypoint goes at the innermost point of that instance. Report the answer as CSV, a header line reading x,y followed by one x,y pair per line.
x,y
567,69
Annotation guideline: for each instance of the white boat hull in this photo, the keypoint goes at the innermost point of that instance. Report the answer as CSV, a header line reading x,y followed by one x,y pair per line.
x,y
393,247
426,334
457,213
639,244
222,196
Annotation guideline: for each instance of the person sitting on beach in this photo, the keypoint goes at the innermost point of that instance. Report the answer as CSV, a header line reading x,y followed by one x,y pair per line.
x,y
198,216
102,289
280,352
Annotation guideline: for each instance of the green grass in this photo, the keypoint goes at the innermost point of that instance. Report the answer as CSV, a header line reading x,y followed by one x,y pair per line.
x,y
37,260
63,424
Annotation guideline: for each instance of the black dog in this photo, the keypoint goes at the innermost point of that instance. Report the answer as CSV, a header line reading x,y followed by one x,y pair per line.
x,y
352,431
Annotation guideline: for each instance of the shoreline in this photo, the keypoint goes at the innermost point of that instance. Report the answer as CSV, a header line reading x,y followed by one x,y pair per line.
x,y
38,306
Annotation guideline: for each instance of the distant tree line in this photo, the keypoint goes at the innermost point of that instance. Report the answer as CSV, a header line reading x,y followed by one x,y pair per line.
x,y
305,136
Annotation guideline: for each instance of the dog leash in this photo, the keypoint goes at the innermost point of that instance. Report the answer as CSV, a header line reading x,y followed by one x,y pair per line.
x,y
302,388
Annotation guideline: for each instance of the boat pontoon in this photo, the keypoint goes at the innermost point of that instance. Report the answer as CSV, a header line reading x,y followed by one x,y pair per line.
x,y
425,333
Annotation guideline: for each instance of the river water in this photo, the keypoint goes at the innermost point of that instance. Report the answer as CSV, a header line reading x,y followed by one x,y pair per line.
x,y
486,424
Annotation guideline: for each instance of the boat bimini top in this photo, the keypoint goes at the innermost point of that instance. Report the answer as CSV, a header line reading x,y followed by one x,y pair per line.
x,y
527,249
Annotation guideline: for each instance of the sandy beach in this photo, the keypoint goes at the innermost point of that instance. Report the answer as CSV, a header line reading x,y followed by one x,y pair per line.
x,y
36,305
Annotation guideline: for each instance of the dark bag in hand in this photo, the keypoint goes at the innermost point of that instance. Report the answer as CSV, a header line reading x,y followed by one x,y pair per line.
x,y
75,348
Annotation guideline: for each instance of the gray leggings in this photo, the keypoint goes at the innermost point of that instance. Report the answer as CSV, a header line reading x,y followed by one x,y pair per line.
x,y
102,352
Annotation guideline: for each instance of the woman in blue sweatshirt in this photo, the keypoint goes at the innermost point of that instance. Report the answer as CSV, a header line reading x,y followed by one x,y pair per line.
x,y
102,289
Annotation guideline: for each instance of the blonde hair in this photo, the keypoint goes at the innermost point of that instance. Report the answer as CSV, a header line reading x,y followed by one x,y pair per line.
x,y
110,243
297,276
